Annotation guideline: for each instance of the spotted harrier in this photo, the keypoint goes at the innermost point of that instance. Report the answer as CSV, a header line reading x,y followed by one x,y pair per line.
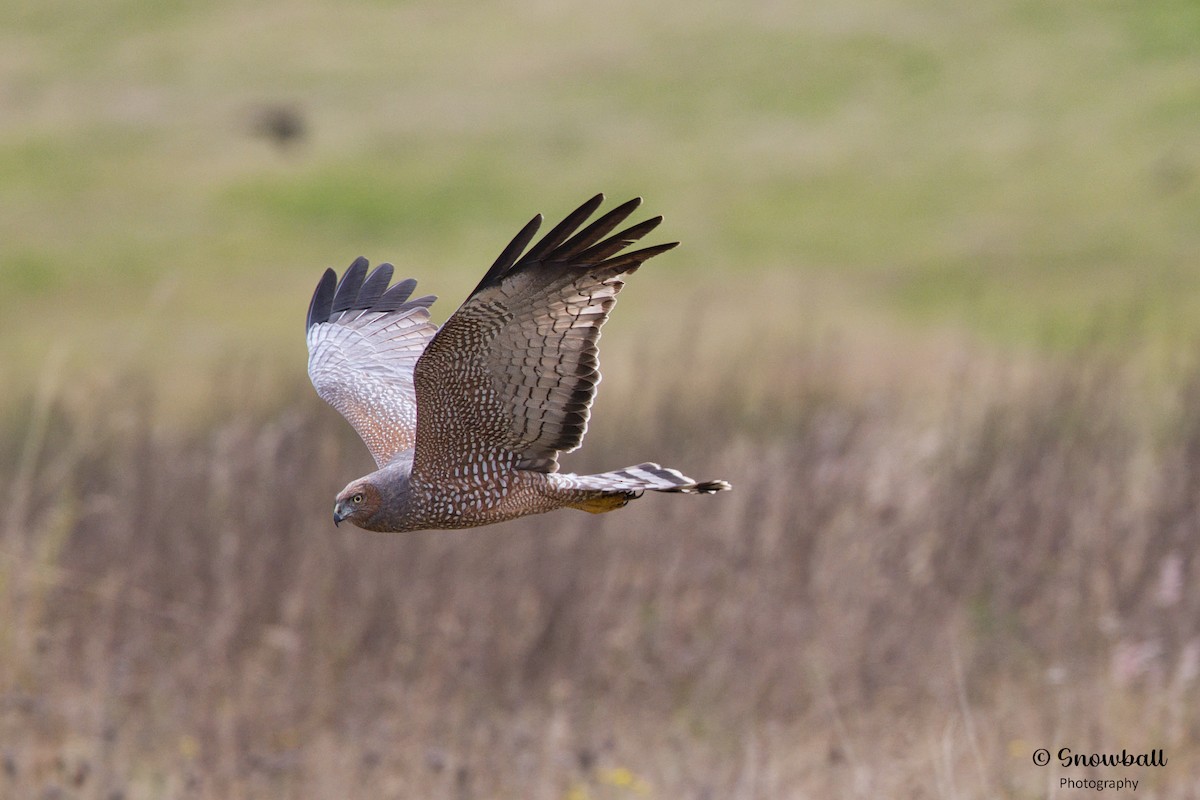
x,y
466,421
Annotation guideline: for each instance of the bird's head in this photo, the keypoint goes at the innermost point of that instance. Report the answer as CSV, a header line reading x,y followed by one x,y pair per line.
x,y
357,503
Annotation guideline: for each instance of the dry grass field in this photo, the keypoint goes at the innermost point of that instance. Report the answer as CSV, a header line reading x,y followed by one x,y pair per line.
x,y
934,316
910,590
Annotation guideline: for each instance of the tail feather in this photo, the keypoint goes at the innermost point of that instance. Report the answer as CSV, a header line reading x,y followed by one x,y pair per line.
x,y
649,477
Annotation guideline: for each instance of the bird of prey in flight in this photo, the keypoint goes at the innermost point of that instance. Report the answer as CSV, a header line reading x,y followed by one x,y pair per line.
x,y
466,421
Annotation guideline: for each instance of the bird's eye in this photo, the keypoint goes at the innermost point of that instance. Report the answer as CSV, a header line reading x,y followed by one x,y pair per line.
x,y
358,498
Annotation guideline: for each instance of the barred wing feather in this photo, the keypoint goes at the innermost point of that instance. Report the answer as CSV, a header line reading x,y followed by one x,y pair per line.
x,y
512,374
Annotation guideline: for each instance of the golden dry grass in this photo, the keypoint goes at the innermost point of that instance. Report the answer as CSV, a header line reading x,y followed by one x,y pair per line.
x,y
913,586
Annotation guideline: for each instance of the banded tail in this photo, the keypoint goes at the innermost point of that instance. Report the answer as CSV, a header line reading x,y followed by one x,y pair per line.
x,y
615,489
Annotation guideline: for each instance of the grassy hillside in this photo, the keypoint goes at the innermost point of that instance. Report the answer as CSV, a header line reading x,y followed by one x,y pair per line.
x,y
1026,170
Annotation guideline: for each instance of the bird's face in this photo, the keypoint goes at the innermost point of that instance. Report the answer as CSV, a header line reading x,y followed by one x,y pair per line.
x,y
357,503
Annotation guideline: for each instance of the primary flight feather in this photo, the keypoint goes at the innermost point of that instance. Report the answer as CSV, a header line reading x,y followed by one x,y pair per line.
x,y
466,422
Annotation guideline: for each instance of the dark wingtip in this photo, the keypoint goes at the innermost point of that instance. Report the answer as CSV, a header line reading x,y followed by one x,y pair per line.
x,y
628,262
321,305
394,297
570,244
374,286
425,301
352,281
563,230
359,292
511,253
597,230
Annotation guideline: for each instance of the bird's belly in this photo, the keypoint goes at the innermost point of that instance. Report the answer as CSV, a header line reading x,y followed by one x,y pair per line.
x,y
471,502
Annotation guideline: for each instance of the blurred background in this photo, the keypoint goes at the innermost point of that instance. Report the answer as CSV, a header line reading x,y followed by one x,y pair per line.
x,y
934,316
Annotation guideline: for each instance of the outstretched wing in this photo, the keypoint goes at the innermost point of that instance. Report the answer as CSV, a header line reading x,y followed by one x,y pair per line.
x,y
511,375
364,340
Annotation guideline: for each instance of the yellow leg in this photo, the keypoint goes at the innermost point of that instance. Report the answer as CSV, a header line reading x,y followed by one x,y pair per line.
x,y
602,503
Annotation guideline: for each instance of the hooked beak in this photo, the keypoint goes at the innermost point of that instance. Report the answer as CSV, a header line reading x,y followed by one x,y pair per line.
x,y
338,516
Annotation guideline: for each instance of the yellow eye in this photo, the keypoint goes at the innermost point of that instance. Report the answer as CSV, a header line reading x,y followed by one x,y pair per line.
x,y
358,498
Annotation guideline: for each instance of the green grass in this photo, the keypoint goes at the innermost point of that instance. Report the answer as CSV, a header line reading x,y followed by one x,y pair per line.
x,y
1027,172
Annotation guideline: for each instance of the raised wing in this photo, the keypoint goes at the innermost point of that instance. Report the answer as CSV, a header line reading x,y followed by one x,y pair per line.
x,y
511,375
364,340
